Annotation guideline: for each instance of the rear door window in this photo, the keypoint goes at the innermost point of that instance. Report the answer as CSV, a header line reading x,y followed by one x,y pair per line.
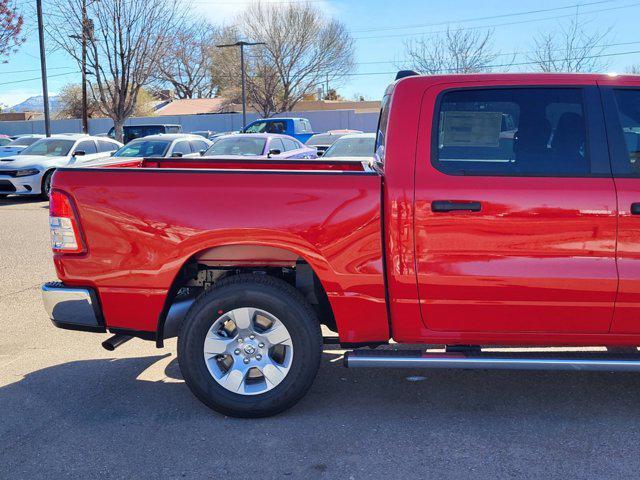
x,y
104,146
182,147
87,146
199,145
290,144
626,133
276,144
512,131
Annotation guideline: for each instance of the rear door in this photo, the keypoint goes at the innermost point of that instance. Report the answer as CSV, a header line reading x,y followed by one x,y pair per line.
x,y
515,210
622,110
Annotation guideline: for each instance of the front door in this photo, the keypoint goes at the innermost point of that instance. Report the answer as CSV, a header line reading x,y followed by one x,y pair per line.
x,y
515,211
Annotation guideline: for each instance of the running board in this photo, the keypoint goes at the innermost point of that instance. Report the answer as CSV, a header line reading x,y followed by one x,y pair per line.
x,y
572,361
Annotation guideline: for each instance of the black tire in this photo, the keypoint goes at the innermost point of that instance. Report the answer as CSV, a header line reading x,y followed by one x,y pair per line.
x,y
45,189
274,296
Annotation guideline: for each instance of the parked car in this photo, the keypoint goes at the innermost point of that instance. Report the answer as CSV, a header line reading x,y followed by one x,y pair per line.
x,y
322,141
138,131
353,145
208,134
260,145
218,135
298,128
164,146
17,145
456,235
4,140
29,172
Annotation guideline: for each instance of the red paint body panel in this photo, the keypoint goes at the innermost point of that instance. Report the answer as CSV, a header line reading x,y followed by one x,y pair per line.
x,y
141,226
547,261
627,314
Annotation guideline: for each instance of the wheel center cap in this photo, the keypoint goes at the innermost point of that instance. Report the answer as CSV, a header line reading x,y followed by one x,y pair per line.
x,y
249,349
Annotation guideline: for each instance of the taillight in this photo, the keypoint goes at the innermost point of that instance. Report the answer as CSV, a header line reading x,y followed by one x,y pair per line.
x,y
63,223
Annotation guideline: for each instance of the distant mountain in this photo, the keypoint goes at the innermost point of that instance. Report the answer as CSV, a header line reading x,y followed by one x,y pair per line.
x,y
35,104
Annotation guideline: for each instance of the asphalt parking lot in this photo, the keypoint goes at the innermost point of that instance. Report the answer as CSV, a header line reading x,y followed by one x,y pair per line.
x,y
69,409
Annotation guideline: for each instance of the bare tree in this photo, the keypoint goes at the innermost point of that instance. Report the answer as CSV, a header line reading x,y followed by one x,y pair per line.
x,y
303,49
126,39
11,23
70,100
453,51
571,49
187,65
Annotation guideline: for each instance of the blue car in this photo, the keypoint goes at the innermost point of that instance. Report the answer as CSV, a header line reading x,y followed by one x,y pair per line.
x,y
298,128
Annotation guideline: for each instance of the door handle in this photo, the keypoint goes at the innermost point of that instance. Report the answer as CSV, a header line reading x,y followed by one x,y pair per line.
x,y
635,208
439,206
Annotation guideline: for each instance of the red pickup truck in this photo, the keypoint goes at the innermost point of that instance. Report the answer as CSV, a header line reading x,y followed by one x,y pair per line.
x,y
499,210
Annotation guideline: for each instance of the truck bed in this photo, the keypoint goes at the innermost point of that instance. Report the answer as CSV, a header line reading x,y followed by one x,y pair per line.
x,y
141,222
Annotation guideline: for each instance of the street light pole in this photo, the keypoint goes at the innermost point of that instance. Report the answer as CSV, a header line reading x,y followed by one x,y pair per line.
x,y
242,44
43,68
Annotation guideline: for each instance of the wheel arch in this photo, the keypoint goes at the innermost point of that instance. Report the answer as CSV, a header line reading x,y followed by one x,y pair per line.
x,y
312,270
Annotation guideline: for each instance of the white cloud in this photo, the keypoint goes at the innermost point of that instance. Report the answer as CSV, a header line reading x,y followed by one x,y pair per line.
x,y
225,11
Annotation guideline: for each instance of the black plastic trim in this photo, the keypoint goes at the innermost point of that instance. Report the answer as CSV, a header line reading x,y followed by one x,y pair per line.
x,y
79,328
142,334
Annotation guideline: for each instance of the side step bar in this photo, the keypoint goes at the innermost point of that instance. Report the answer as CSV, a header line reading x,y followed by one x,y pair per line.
x,y
573,361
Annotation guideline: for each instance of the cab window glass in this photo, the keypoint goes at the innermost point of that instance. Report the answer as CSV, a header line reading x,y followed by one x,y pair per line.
x,y
628,102
512,131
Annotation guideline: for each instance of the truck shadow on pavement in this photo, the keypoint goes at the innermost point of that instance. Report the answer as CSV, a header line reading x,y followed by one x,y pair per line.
x,y
105,410
16,200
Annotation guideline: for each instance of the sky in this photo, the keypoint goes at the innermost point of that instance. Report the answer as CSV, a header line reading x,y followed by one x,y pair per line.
x,y
380,29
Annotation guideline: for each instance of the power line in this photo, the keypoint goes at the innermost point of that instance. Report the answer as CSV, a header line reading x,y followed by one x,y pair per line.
x,y
37,78
603,55
504,54
477,19
555,17
236,2
32,70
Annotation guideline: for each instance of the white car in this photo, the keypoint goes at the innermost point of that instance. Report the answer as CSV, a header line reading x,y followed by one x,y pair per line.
x,y
351,146
164,145
18,144
29,172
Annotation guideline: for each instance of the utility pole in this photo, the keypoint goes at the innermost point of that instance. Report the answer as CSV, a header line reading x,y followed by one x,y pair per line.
x,y
242,44
87,32
85,24
43,68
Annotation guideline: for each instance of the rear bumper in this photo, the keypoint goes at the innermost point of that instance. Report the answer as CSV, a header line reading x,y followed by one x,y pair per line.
x,y
72,308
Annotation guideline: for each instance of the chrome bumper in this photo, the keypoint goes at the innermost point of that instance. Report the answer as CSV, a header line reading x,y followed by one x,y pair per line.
x,y
72,308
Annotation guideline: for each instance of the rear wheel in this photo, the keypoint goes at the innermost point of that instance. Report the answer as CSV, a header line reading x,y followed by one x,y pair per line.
x,y
250,346
45,191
